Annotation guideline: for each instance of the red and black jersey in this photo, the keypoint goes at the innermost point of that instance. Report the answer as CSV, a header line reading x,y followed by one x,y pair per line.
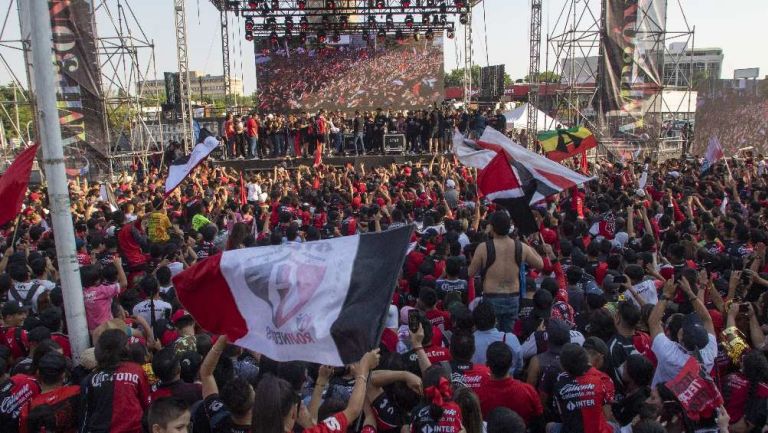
x,y
389,416
16,339
189,392
449,422
334,424
14,394
65,404
580,401
114,400
468,374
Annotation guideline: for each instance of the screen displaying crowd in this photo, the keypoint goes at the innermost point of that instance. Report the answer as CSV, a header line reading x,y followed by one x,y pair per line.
x,y
641,305
736,117
356,75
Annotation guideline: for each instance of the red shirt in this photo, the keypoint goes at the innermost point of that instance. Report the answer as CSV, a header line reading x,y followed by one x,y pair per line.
x,y
115,401
470,375
14,394
63,341
252,127
389,340
335,424
737,389
64,401
439,317
511,393
437,354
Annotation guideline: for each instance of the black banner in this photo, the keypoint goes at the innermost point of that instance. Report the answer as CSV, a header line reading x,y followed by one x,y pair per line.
x,y
81,110
619,38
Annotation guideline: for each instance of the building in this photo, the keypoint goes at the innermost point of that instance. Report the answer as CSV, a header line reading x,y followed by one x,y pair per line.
x,y
211,86
681,66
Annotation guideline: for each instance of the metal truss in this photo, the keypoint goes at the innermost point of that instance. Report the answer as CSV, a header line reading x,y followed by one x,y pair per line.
x,y
533,72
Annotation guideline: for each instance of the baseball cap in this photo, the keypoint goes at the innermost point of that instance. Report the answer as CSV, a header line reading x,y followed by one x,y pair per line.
x,y
53,362
12,307
558,334
392,317
180,314
596,344
694,334
450,184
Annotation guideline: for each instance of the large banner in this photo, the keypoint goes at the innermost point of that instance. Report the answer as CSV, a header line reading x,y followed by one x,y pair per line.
x,y
632,42
81,110
351,74
736,117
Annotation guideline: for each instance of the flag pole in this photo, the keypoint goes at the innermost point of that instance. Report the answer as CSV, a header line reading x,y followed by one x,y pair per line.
x,y
15,231
41,38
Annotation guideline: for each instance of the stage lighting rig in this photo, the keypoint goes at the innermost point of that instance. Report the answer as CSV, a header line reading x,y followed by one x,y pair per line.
x,y
380,4
372,21
409,20
249,24
443,8
272,23
325,19
304,24
344,21
330,4
248,36
289,23
273,38
399,35
429,34
288,33
265,9
424,19
381,34
301,4
460,3
321,36
431,3
336,36
303,38
405,3
464,19
275,4
366,35
390,22
443,20
253,4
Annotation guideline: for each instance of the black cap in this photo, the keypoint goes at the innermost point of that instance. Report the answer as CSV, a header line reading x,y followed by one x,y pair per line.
x,y
695,336
596,344
558,333
12,307
53,362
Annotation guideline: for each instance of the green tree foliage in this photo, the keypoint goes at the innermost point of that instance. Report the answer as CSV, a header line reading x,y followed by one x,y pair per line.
x,y
546,77
8,113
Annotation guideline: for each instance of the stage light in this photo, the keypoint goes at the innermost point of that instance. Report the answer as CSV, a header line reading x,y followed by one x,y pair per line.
x,y
451,34
464,19
459,3
248,36
301,4
336,36
425,19
275,4
381,34
380,4
303,38
443,20
390,21
372,21
431,3
304,24
249,24
405,3
409,21
429,34
321,36
330,4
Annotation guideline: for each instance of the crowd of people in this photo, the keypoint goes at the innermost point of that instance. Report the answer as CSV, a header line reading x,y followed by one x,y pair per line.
x,y
736,119
639,306
359,76
279,135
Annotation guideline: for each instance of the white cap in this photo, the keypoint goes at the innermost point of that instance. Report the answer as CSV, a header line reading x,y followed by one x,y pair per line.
x,y
392,316
640,192
450,184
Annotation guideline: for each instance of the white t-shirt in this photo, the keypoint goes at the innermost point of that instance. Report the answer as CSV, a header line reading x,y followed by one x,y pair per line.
x,y
143,309
22,289
672,357
646,290
254,190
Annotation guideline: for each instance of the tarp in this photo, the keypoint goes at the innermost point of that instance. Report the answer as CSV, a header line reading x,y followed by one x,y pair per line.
x,y
518,119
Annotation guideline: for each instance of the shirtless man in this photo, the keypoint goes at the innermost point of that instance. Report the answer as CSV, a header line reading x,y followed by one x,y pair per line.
x,y
501,283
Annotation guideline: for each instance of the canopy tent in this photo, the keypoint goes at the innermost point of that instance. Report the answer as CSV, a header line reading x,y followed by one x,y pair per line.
x,y
518,119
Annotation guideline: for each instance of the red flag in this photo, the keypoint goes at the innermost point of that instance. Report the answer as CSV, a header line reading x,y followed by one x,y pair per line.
x,y
13,184
243,194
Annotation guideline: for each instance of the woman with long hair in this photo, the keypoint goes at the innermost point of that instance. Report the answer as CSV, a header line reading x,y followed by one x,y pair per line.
x,y
116,394
276,408
745,393
237,236
471,415
439,412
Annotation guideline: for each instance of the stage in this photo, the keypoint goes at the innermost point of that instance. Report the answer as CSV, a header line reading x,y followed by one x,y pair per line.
x,y
246,165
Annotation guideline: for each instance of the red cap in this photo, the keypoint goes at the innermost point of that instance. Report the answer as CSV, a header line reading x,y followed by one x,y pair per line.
x,y
179,314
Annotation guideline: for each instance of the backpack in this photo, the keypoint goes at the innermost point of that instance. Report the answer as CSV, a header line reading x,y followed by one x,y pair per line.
x,y
490,249
26,301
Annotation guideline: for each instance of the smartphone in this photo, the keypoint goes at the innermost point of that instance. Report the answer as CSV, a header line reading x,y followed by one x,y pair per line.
x,y
413,321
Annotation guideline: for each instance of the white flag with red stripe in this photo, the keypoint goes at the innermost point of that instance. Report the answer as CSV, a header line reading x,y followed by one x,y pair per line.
x,y
179,169
550,177
323,301
714,154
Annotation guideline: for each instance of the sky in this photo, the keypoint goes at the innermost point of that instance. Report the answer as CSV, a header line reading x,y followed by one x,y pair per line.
x,y
736,26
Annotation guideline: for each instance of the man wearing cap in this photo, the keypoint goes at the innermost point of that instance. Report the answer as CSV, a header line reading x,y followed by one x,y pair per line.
x,y
451,195
624,343
501,278
696,337
63,400
544,368
13,335
15,392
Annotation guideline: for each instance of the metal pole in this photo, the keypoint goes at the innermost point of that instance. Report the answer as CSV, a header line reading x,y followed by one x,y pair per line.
x,y
53,165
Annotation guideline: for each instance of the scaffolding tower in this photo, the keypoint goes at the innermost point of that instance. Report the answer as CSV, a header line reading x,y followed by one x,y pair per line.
x,y
533,72
182,51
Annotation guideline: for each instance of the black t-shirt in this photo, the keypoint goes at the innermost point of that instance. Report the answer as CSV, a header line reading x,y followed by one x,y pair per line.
x,y
389,416
619,349
219,418
625,410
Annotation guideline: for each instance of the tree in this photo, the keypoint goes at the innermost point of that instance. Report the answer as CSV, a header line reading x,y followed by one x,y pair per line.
x,y
545,77
8,116
455,78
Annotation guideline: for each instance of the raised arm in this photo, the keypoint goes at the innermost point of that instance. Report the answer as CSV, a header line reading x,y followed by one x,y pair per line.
x,y
209,364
